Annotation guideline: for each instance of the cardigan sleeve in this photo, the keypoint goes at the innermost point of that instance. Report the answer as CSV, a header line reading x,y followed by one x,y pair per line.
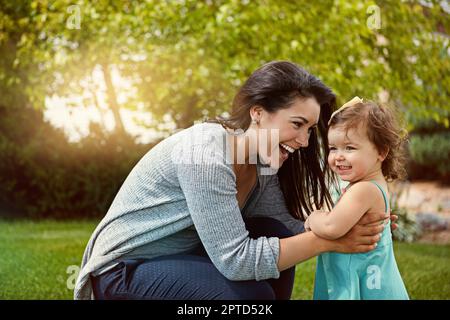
x,y
208,184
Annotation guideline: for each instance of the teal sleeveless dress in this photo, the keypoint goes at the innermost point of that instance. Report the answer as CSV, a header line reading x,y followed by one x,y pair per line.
x,y
372,275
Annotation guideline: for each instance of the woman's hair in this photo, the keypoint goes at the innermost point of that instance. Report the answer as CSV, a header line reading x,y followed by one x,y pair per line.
x,y
274,86
383,129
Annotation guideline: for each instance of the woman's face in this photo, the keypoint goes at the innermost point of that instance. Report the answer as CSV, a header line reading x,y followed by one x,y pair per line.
x,y
286,130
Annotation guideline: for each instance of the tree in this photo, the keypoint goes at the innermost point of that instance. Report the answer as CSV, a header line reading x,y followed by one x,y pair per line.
x,y
186,58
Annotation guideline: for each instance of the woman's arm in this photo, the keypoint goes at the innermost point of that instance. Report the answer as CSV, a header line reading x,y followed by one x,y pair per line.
x,y
361,238
209,189
301,247
348,211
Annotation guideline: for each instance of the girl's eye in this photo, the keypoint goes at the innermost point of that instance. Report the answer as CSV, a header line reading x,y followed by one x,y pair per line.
x,y
349,148
332,149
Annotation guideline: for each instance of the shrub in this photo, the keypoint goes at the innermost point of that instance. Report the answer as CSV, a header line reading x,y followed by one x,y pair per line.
x,y
429,155
408,230
43,175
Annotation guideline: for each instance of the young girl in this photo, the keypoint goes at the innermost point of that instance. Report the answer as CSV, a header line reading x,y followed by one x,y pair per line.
x,y
365,149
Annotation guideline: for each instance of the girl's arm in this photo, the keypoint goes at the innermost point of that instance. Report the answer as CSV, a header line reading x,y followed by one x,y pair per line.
x,y
351,207
361,238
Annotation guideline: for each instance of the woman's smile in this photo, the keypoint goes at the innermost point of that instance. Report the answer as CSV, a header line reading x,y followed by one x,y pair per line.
x,y
284,153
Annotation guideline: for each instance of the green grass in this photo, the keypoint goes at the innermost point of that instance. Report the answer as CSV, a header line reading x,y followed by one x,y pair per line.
x,y
34,257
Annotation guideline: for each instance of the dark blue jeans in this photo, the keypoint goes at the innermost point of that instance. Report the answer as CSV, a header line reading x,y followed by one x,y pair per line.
x,y
193,276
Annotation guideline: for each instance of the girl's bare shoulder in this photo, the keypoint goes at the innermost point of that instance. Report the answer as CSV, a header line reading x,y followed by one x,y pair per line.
x,y
368,191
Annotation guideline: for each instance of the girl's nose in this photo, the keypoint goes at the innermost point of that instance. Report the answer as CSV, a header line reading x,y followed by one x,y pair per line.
x,y
339,155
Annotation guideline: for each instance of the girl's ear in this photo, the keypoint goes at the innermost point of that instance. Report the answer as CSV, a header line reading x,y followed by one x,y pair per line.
x,y
382,155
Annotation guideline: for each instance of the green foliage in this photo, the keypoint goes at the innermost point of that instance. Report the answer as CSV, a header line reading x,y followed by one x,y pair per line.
x,y
44,175
429,156
429,126
186,58
408,230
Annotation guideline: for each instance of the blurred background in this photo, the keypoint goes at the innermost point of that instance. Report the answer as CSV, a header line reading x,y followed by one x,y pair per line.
x,y
88,87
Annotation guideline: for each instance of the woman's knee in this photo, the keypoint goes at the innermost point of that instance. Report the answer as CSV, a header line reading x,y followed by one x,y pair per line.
x,y
248,290
175,278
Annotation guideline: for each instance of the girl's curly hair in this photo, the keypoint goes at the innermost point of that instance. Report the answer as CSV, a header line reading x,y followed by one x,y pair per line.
x,y
383,129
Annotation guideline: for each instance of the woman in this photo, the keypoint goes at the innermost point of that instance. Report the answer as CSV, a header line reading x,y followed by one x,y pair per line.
x,y
203,216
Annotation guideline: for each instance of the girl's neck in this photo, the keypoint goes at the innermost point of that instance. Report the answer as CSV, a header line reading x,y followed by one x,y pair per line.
x,y
375,176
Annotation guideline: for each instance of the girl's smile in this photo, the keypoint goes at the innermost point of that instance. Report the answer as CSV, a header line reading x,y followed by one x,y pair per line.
x,y
343,170
352,156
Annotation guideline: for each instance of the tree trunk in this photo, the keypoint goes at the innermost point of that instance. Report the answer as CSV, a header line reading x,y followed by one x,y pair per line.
x,y
190,113
97,104
112,99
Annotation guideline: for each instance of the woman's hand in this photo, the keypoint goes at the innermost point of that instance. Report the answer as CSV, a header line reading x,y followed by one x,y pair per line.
x,y
393,224
306,225
364,235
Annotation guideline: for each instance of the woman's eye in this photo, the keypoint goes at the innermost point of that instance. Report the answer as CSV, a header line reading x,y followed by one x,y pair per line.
x,y
349,148
297,124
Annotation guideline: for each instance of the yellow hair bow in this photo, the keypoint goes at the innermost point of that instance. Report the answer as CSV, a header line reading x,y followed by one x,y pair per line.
x,y
350,103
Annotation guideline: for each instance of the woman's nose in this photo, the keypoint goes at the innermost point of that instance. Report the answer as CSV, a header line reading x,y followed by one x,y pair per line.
x,y
302,139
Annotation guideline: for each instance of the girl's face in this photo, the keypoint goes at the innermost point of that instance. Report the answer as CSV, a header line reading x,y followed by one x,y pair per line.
x,y
352,156
286,130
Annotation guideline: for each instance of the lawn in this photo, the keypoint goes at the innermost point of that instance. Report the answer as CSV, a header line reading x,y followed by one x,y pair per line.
x,y
35,256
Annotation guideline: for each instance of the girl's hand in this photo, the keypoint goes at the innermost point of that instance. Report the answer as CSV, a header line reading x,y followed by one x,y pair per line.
x,y
364,235
306,224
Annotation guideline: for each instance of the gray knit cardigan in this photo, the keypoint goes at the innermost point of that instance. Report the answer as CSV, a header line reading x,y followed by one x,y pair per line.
x,y
183,193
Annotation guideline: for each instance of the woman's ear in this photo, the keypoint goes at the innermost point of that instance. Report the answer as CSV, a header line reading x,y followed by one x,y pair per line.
x,y
256,112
